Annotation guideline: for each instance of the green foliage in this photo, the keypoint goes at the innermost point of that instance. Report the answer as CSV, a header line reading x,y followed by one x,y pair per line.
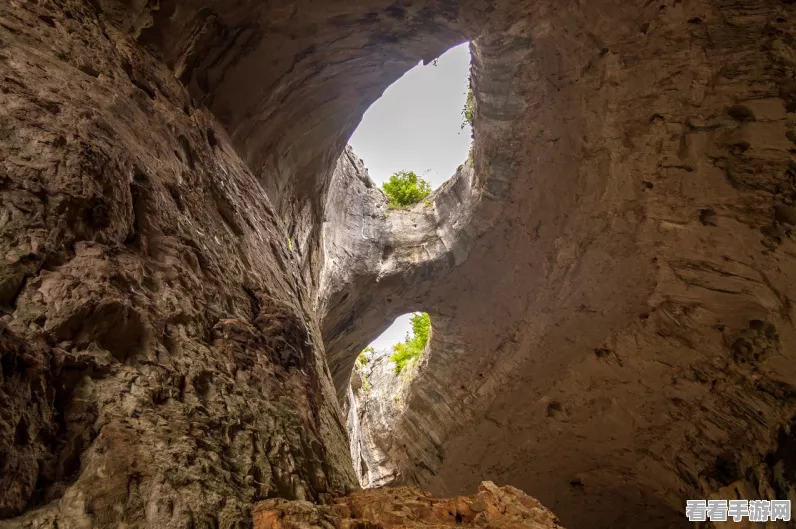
x,y
362,360
405,188
468,110
367,387
412,347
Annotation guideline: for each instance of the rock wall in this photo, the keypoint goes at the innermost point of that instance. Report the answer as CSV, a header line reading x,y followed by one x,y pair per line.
x,y
376,403
619,336
162,365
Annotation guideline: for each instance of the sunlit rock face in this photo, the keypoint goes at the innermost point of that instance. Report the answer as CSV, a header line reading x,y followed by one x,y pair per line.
x,y
375,402
381,439
191,260
380,263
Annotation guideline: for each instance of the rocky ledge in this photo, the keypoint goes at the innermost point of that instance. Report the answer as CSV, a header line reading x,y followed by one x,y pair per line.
x,y
491,507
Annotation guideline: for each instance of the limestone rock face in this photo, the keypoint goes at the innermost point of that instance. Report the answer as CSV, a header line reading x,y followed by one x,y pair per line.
x,y
376,403
491,507
162,365
619,336
380,263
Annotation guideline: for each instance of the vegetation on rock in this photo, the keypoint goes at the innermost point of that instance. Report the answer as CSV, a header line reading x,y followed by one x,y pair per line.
x,y
405,188
362,359
468,110
413,345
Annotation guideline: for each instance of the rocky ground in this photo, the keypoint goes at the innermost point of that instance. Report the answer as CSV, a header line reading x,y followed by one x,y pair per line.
x,y
491,507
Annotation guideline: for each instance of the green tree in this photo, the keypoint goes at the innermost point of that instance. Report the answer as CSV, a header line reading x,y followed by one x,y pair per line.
x,y
405,188
413,345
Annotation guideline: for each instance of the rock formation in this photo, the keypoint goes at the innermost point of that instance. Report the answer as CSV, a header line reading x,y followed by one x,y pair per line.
x,y
192,260
162,362
636,283
376,405
492,506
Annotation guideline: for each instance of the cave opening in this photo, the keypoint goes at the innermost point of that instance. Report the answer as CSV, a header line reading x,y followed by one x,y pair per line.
x,y
421,123
405,341
378,393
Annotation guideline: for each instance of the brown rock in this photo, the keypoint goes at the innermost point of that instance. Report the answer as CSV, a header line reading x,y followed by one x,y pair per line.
x,y
492,507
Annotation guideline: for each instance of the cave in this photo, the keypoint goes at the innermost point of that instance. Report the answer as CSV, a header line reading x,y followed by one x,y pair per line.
x,y
193,258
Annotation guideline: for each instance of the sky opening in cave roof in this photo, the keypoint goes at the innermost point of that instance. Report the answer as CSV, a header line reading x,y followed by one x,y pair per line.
x,y
417,124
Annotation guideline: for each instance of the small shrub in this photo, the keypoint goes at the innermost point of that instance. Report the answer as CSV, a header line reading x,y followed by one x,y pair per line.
x,y
362,359
413,345
405,188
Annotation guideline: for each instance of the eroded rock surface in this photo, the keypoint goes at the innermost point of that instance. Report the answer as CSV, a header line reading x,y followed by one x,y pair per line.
x,y
491,507
636,282
380,263
162,364
376,405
